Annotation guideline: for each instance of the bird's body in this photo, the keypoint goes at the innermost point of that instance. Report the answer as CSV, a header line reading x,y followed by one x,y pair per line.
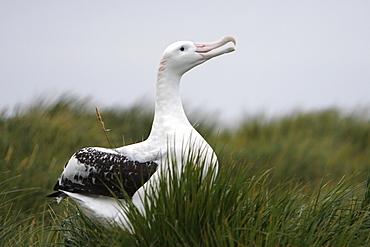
x,y
95,177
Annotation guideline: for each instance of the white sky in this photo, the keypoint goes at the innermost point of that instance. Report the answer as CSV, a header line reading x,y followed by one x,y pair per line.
x,y
290,54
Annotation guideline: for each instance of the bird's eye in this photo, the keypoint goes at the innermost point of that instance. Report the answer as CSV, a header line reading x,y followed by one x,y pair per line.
x,y
182,48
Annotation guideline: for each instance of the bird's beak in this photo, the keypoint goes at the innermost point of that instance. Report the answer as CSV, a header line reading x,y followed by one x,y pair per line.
x,y
204,48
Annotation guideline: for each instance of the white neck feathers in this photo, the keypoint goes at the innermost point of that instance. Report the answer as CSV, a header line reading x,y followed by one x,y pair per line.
x,y
169,113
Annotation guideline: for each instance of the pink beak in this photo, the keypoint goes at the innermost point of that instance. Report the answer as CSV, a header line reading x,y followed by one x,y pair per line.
x,y
204,48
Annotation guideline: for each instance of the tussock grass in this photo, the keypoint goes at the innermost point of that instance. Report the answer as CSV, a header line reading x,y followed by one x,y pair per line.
x,y
308,146
234,210
282,182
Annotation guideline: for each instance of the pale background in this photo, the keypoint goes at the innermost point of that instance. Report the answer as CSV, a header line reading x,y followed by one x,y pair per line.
x,y
290,54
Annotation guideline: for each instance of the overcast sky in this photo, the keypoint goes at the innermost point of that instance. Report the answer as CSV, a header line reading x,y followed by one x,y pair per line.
x,y
289,55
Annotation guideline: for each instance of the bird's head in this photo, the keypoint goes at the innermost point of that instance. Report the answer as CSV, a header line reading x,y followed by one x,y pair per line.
x,y
182,56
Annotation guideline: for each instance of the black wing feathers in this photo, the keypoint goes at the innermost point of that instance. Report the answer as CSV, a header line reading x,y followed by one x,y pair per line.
x,y
108,174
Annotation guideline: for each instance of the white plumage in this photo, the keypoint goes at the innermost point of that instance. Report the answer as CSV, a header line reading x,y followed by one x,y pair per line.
x,y
93,175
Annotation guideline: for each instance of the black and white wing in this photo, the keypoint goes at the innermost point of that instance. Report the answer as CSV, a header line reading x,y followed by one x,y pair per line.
x,y
98,171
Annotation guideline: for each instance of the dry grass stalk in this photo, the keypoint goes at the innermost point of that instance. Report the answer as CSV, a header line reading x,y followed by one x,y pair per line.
x,y
100,119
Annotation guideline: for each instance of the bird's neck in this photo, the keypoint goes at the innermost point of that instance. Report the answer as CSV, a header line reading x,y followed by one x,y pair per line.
x,y
169,113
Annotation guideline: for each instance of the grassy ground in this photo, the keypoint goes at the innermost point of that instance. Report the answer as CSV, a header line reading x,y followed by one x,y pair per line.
x,y
280,184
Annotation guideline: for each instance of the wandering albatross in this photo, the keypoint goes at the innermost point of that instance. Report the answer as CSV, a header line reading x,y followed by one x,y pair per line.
x,y
94,176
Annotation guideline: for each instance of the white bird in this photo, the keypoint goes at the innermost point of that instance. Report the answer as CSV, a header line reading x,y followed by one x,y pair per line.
x,y
94,176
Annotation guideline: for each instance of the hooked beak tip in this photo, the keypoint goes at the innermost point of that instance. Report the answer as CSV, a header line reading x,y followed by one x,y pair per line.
x,y
229,39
